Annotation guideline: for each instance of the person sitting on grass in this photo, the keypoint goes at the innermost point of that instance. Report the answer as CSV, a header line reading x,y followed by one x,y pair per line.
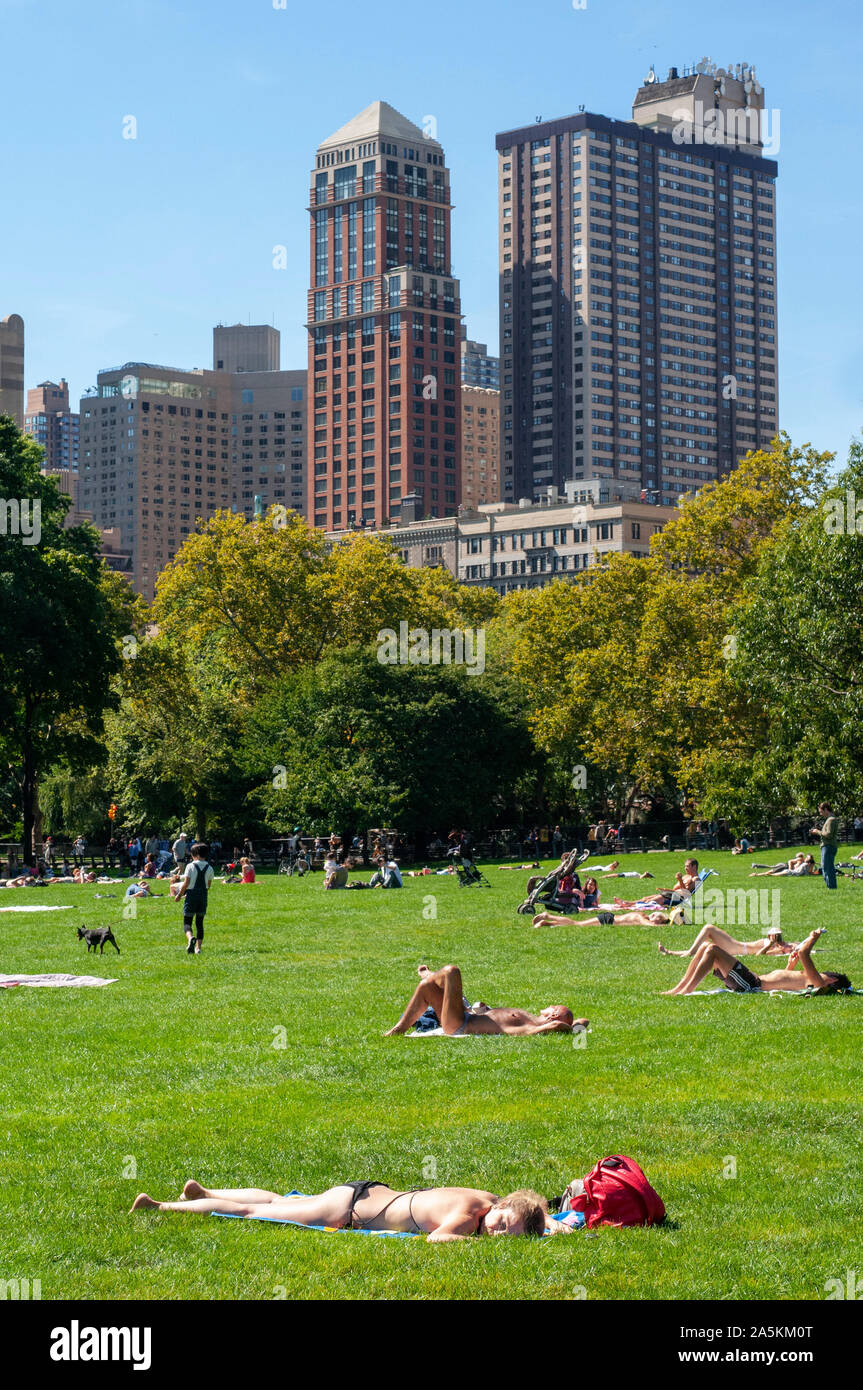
x,y
439,1213
604,918
738,978
684,885
773,944
441,990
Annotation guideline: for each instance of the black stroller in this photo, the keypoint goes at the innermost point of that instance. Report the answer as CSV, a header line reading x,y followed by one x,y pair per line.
x,y
466,871
543,897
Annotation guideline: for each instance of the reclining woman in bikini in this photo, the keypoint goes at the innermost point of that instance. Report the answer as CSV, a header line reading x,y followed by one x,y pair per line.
x,y
770,945
440,1213
738,978
441,990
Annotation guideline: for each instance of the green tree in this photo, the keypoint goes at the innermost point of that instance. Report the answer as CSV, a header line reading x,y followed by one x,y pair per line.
x,y
353,742
61,617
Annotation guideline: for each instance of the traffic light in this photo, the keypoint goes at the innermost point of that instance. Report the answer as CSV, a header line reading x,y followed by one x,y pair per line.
x,y
112,811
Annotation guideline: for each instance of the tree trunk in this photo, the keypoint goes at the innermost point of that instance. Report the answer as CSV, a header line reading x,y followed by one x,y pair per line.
x,y
28,787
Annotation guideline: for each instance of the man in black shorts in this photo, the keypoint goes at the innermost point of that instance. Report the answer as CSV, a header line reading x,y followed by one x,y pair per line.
x,y
738,978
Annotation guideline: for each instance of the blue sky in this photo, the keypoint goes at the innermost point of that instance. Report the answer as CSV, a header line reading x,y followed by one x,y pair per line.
x,y
115,249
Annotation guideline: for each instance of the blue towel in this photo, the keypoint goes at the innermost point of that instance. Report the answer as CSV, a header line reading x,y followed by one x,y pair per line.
x,y
283,1221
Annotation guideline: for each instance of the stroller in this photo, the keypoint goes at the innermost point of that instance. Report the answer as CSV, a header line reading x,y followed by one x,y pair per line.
x,y
467,872
544,895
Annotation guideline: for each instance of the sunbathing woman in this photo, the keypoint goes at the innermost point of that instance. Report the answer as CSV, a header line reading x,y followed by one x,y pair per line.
x,y
441,990
440,1213
770,945
738,978
603,919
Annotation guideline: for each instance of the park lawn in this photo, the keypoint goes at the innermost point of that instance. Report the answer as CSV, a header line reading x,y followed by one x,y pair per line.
x,y
176,1071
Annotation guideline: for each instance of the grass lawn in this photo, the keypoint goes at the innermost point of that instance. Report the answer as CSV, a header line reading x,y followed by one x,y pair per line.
x,y
172,1073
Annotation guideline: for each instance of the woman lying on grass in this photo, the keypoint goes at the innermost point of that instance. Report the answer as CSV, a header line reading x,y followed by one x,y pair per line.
x,y
740,979
770,945
603,919
440,1213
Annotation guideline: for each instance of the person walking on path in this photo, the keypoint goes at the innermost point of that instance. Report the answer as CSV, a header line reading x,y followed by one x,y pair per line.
x,y
829,836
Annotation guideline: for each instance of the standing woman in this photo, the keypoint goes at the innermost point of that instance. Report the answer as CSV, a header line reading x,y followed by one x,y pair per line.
x,y
829,836
193,890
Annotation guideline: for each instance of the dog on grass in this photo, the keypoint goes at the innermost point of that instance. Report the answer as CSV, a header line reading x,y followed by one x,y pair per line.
x,y
97,936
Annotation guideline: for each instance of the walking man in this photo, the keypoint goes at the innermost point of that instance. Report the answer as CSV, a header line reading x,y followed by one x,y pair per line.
x,y
193,890
829,836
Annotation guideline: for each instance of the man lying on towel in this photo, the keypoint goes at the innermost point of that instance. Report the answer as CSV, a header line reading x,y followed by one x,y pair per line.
x,y
738,978
440,1213
441,990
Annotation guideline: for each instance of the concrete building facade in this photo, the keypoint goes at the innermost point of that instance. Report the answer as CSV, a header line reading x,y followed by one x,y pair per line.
x,y
241,347
163,450
505,547
12,367
384,325
480,445
638,291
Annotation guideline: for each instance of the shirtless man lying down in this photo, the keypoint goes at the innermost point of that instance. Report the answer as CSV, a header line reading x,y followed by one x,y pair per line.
x,y
440,1213
441,990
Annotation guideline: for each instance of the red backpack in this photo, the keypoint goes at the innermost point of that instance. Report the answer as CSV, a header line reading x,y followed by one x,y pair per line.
x,y
616,1193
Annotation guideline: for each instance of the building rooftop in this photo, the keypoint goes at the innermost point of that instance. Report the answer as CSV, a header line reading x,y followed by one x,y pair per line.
x,y
378,119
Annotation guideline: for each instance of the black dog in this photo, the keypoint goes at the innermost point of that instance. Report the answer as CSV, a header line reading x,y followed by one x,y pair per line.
x,y
97,936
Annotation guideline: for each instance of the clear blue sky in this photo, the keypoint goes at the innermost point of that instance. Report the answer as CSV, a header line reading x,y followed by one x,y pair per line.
x,y
116,249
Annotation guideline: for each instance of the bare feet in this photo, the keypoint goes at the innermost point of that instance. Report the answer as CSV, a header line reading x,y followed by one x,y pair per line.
x,y
391,1032
193,1190
142,1200
423,970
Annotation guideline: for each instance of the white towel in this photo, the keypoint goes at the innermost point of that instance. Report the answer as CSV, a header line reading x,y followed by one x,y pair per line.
x,y
53,981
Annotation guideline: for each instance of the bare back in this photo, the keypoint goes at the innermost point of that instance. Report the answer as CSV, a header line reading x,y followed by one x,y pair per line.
x,y
458,1208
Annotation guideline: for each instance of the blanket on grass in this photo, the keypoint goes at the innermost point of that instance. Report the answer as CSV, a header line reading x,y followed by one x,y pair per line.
x,y
39,907
53,981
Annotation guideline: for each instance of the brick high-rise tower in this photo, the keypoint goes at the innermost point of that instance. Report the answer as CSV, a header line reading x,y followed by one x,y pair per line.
x,y
384,326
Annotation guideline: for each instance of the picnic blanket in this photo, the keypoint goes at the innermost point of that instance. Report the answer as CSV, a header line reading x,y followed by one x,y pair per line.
x,y
53,981
40,907
330,1230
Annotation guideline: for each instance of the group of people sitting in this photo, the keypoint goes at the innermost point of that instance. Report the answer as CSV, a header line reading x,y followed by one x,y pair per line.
x,y
387,873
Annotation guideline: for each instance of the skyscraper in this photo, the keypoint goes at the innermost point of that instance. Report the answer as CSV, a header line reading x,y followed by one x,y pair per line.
x,y
12,367
638,289
49,420
477,368
384,325
480,461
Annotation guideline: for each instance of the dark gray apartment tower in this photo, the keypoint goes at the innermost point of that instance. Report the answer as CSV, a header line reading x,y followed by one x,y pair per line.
x,y
638,289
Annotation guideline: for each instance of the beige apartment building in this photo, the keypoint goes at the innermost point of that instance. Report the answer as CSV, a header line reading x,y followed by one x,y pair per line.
x,y
12,367
638,290
163,450
506,546
480,445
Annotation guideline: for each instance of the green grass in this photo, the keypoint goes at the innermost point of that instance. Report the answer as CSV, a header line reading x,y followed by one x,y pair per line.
x,y
173,1068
